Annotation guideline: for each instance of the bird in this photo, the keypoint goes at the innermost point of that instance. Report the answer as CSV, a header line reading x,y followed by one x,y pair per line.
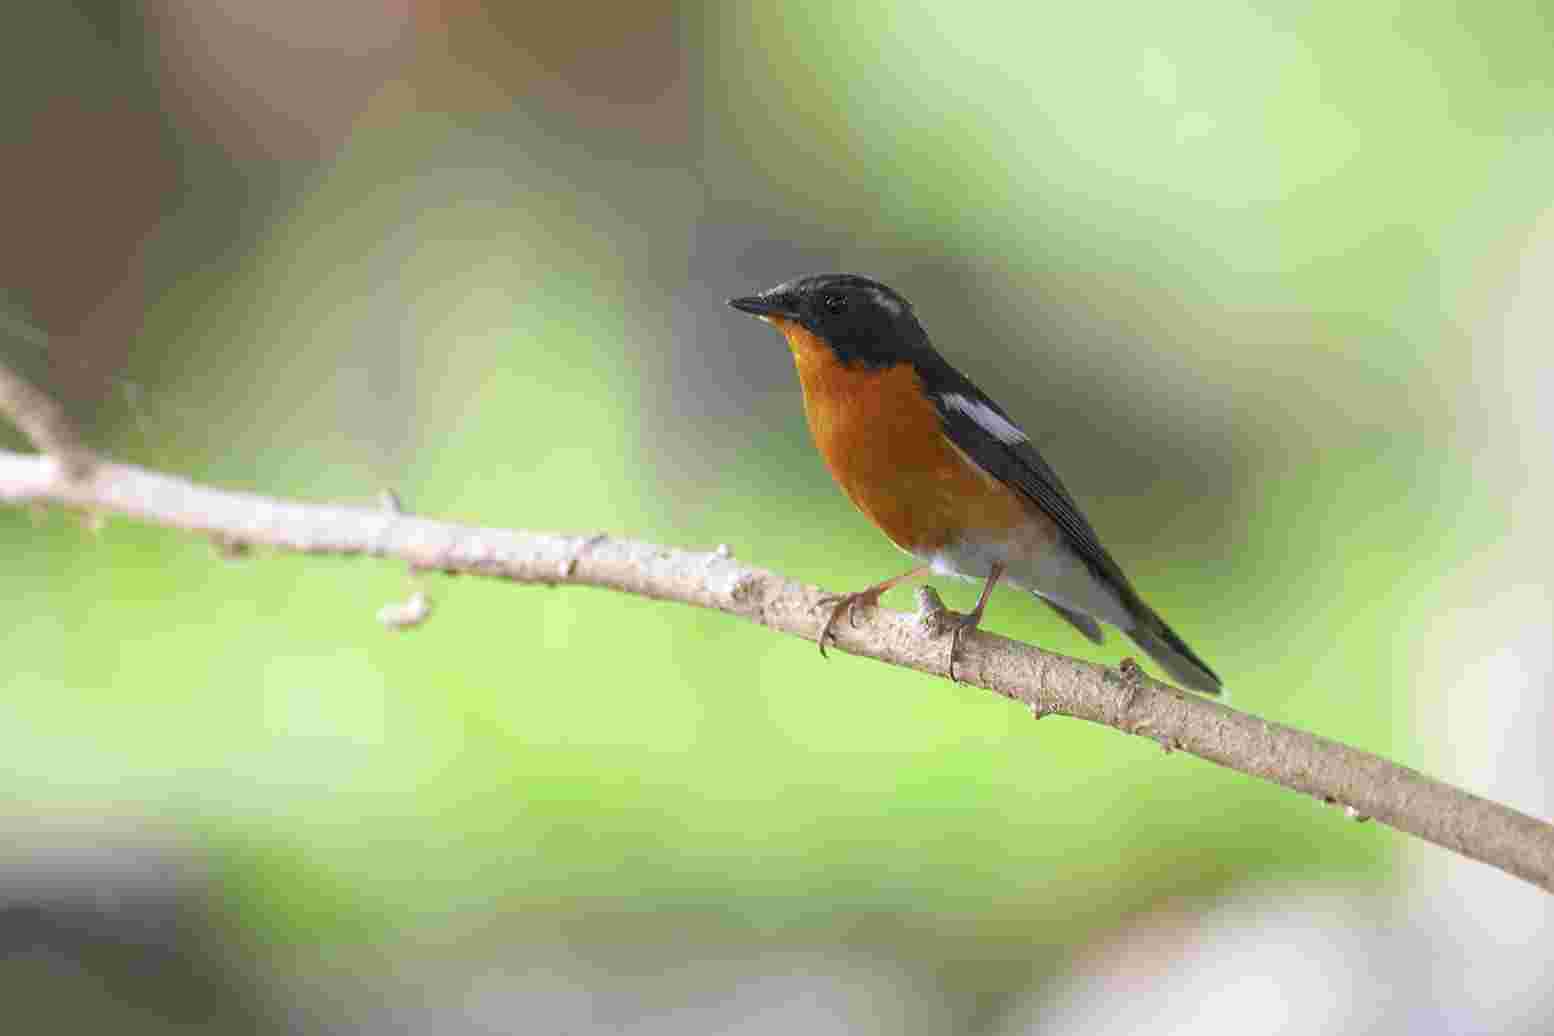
x,y
944,471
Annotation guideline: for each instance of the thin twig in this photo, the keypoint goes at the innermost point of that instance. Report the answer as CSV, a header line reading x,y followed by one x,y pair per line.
x,y
1361,784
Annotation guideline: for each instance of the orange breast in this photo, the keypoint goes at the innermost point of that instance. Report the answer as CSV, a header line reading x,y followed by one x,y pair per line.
x,y
881,439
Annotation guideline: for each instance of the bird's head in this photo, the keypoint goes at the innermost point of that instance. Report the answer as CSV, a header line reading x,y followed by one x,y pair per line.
x,y
863,322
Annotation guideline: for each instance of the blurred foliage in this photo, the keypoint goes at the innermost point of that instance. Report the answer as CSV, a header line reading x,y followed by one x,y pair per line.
x,y
1221,249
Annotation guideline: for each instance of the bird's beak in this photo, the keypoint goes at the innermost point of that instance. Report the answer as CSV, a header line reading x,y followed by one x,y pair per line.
x,y
766,307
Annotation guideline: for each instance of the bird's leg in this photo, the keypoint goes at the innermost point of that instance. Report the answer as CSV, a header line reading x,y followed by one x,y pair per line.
x,y
868,598
966,623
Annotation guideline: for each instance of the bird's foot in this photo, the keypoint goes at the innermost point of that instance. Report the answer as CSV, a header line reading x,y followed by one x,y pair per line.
x,y
959,625
841,603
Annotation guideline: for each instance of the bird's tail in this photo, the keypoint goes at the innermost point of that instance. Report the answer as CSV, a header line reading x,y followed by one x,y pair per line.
x,y
1171,652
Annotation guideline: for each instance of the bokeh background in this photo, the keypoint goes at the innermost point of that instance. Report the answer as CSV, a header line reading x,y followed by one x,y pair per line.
x,y
1269,284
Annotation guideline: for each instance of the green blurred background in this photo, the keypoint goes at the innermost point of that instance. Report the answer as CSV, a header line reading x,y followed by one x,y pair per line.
x,y
1265,282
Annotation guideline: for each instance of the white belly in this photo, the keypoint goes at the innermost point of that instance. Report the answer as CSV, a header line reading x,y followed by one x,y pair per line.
x,y
1053,571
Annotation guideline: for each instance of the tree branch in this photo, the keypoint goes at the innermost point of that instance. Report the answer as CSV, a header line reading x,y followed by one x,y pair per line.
x,y
1363,784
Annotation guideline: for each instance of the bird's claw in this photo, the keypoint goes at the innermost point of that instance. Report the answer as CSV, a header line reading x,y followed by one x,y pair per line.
x,y
843,603
958,625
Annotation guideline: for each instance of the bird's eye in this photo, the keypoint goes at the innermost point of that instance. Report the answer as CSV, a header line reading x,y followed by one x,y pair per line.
x,y
834,303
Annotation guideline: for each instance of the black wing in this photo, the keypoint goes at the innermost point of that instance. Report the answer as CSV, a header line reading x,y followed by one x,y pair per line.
x,y
982,431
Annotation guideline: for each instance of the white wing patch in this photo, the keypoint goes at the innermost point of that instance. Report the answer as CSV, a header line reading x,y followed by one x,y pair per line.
x,y
886,302
988,419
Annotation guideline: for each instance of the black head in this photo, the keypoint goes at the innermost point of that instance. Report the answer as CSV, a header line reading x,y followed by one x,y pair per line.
x,y
862,320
